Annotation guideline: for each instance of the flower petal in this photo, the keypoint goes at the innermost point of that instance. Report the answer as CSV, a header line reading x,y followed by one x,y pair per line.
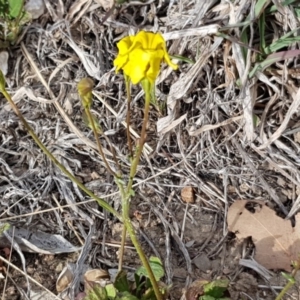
x,y
123,47
120,61
125,44
169,62
140,56
154,65
148,40
137,66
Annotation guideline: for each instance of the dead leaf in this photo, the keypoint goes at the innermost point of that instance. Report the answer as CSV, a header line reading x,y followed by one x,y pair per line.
x,y
187,194
195,289
64,279
277,242
95,277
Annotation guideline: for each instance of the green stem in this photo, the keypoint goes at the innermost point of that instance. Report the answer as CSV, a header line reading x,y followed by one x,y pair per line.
x,y
127,82
138,154
127,195
121,252
284,290
143,258
290,282
121,188
100,201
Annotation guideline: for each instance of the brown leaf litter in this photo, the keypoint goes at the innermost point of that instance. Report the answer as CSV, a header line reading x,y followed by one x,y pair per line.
x,y
277,242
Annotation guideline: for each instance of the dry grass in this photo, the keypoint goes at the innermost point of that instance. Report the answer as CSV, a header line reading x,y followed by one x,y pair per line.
x,y
207,138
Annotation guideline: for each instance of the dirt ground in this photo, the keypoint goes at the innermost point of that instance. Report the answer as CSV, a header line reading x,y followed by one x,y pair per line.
x,y
221,135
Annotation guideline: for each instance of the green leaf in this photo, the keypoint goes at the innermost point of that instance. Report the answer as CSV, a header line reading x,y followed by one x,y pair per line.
x,y
121,282
256,120
271,59
4,8
216,288
273,8
149,295
182,58
207,297
2,82
97,293
262,30
288,277
15,8
25,18
132,193
111,291
139,284
260,7
156,267
284,41
4,227
87,122
126,296
119,180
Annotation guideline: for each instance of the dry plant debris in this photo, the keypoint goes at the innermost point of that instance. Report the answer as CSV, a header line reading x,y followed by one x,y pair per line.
x,y
188,194
277,242
230,141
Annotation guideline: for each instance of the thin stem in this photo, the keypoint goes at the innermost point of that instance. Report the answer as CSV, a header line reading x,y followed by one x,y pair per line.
x,y
138,154
121,251
127,195
91,121
284,290
143,258
100,201
127,81
290,282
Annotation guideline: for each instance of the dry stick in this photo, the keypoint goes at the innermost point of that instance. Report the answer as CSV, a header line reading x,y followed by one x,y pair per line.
x,y
113,151
66,118
87,201
147,149
70,223
270,191
100,201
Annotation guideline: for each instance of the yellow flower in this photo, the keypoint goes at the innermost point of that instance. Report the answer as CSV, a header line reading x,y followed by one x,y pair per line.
x,y
140,56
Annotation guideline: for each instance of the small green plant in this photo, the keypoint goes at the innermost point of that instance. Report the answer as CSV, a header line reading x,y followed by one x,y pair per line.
x,y
215,290
290,278
266,53
124,289
139,58
208,290
12,17
4,227
269,53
